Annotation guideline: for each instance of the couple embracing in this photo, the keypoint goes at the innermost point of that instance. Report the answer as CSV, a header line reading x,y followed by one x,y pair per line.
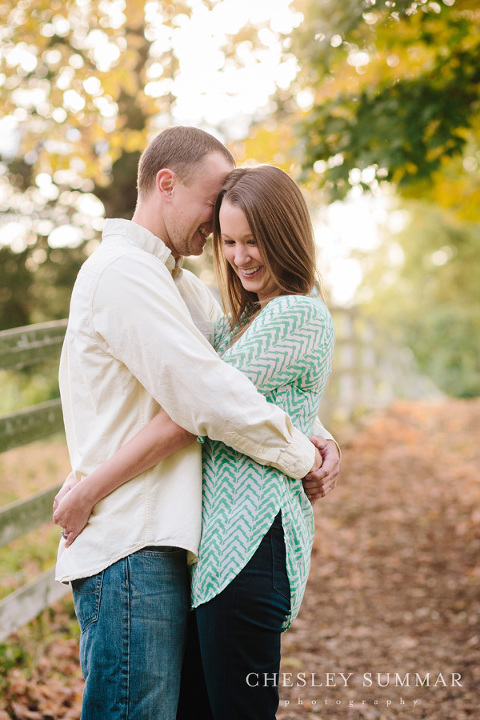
x,y
188,432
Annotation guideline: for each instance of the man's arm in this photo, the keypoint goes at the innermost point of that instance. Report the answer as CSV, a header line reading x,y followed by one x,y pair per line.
x,y
319,483
141,319
292,339
73,504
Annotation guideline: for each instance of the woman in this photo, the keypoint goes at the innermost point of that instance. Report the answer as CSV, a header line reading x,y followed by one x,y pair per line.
x,y
254,558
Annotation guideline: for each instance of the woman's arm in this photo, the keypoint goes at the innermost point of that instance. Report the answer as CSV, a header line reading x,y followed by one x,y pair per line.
x,y
74,503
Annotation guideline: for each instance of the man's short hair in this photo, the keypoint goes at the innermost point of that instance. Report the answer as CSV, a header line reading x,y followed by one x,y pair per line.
x,y
180,149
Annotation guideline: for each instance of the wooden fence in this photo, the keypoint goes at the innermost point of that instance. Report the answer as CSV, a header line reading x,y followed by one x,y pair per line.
x,y
19,348
368,372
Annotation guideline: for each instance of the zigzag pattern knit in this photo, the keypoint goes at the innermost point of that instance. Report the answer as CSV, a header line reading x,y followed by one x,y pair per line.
x,y
287,354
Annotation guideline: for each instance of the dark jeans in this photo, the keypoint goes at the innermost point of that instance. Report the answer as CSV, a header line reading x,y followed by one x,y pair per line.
x,y
238,639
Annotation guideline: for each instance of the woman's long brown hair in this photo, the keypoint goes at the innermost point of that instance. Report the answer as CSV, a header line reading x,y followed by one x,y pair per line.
x,y
280,223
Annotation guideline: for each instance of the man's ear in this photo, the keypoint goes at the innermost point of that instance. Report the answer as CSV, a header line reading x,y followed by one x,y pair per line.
x,y
165,181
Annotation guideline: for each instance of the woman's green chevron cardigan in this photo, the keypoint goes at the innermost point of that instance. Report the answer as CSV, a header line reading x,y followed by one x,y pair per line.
x,y
287,353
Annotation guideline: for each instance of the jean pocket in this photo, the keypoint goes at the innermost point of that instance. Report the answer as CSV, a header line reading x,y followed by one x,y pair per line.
x,y
156,550
87,593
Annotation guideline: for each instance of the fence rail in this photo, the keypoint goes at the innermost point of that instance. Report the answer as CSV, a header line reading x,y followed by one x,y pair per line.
x,y
32,424
20,348
26,515
368,372
28,601
31,344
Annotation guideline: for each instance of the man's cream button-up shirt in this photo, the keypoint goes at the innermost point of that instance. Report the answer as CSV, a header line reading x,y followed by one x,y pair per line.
x,y
138,341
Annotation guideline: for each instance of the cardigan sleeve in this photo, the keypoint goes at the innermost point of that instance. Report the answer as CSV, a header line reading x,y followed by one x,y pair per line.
x,y
291,338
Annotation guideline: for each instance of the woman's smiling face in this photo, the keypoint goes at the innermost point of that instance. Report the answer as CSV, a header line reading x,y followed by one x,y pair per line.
x,y
243,254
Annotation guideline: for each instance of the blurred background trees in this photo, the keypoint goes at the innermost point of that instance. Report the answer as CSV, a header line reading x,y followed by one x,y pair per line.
x,y
390,106
381,102
83,84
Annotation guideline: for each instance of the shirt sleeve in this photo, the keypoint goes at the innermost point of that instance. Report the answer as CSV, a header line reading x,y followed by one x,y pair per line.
x,y
141,320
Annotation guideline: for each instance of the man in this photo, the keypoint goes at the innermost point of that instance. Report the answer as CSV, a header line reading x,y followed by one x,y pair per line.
x,y
137,341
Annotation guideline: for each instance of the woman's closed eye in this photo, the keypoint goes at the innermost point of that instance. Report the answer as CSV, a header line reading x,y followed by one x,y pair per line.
x,y
229,241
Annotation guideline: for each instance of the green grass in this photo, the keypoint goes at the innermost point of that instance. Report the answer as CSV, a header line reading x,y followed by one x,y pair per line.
x,y
23,388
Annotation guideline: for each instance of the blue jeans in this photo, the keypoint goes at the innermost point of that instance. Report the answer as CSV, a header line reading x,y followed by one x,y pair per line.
x,y
237,640
133,618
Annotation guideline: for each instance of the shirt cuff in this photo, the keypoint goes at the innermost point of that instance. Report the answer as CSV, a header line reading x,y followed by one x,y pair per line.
x,y
337,446
298,457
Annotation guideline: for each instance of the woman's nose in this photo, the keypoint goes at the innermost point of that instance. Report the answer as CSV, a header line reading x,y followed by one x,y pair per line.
x,y
242,256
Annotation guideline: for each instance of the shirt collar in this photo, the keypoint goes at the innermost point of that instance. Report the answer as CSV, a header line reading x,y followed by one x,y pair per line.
x,y
143,239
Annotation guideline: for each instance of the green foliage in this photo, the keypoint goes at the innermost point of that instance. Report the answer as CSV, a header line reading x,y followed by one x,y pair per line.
x,y
395,105
36,283
393,128
24,388
430,300
446,347
15,282
396,88
11,656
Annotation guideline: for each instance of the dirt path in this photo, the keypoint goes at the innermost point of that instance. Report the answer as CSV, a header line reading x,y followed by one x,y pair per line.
x,y
395,580
390,620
